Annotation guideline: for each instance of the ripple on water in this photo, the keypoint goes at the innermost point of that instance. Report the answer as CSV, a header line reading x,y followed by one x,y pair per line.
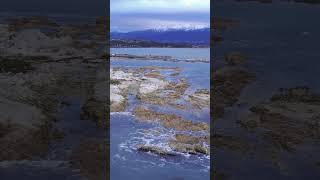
x,y
127,133
156,136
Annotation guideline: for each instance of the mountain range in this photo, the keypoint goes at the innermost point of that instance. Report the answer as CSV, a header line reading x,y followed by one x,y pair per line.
x,y
191,36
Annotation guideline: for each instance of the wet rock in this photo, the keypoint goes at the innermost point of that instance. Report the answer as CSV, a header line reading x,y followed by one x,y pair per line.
x,y
190,144
115,82
95,110
33,94
200,98
146,83
167,95
27,133
296,94
118,102
24,134
121,82
232,75
290,117
150,85
96,107
169,120
189,139
154,74
31,41
184,148
229,82
177,89
201,149
28,97
155,150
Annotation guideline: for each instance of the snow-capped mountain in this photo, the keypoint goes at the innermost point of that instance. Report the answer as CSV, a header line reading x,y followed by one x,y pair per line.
x,y
188,35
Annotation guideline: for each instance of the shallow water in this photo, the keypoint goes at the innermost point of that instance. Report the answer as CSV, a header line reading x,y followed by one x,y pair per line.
x,y
177,53
56,164
126,133
281,40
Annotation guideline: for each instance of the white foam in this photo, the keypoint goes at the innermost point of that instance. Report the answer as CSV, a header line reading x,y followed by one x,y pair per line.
x,y
121,113
159,137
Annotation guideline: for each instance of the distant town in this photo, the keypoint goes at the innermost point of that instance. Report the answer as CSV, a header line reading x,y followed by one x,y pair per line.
x,y
127,43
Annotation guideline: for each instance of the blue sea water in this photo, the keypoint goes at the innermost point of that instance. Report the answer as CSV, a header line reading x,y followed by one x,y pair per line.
x,y
126,133
177,53
281,40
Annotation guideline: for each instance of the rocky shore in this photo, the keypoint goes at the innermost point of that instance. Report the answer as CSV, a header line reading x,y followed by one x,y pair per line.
x,y
154,58
229,81
42,62
266,123
151,87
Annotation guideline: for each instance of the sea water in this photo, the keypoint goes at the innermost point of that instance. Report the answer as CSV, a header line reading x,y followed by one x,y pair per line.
x,y
126,133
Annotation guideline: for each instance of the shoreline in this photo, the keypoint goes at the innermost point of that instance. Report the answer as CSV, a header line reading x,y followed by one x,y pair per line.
x,y
150,96
41,73
153,58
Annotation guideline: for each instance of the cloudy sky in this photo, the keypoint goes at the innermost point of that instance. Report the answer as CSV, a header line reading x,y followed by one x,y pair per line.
x,y
130,15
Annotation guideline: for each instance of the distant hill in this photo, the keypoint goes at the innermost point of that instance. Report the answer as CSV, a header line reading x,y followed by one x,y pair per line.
x,y
125,43
191,36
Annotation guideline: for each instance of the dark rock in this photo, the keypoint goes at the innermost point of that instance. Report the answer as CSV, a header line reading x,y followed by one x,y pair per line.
x,y
155,150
